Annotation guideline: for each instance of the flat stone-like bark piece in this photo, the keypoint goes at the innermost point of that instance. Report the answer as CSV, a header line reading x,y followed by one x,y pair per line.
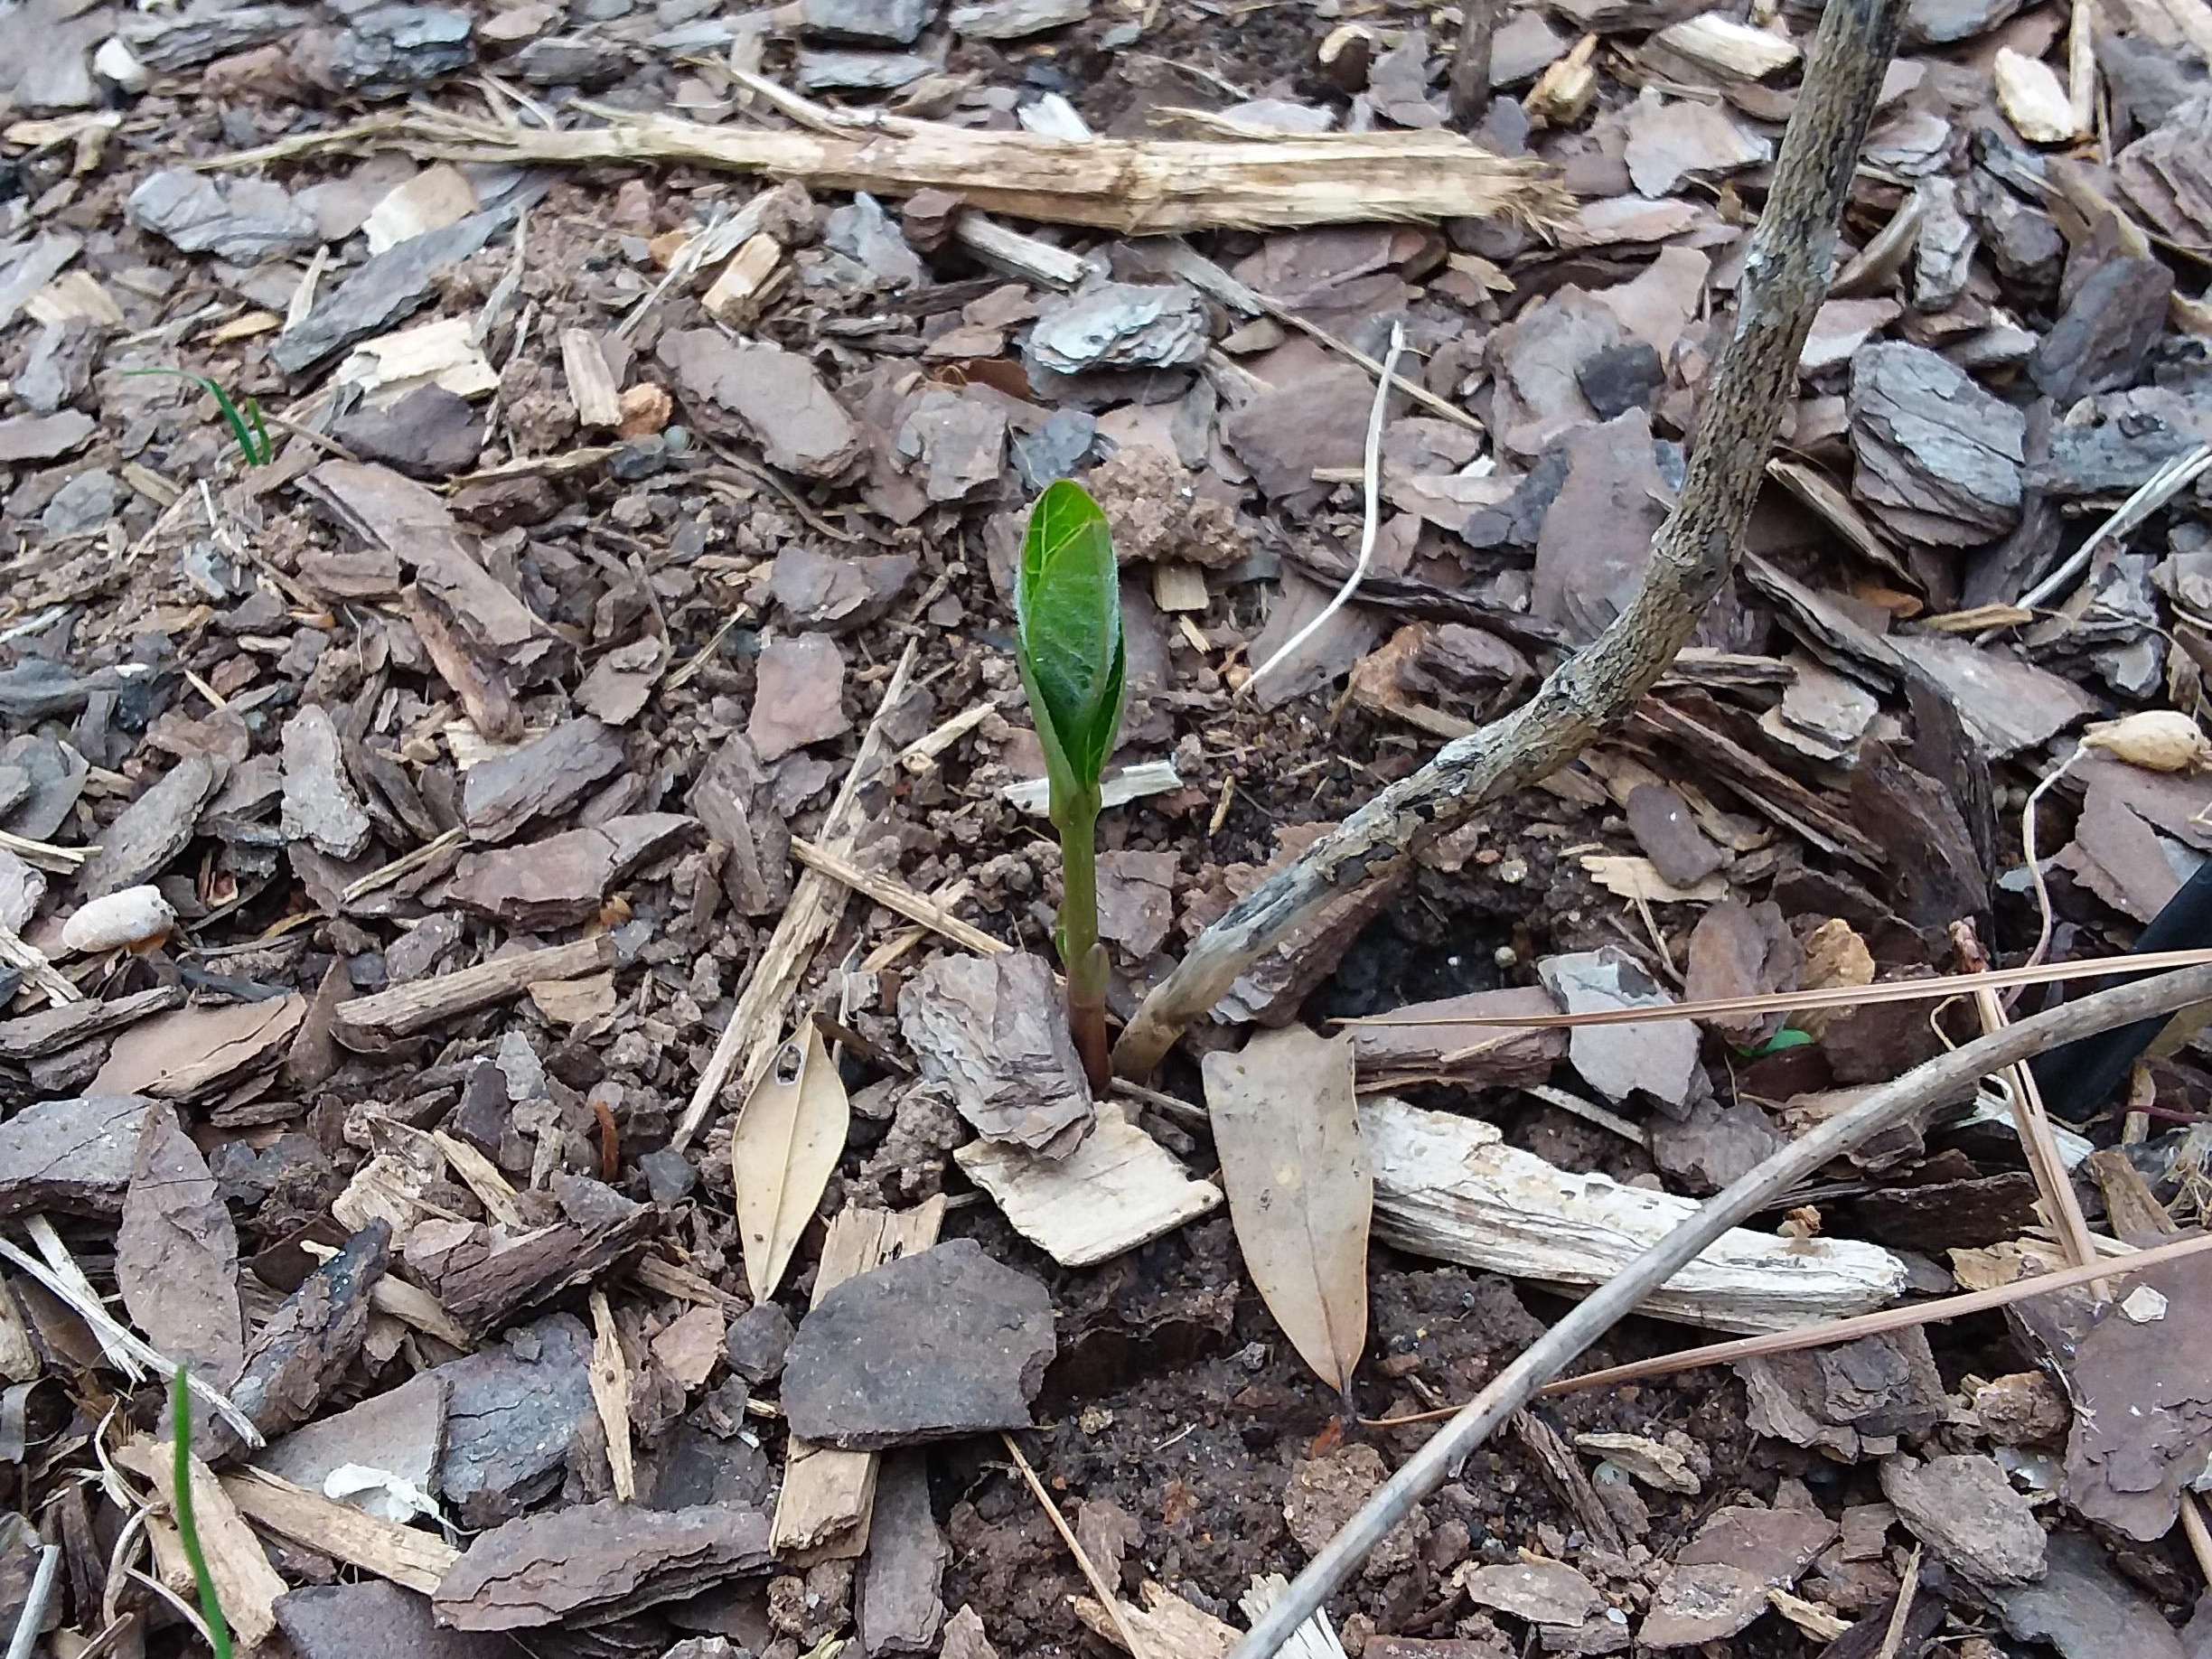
x,y
1658,1057
151,831
1596,538
1964,1509
799,696
1939,458
1719,1583
735,798
319,803
511,1416
1479,1056
542,779
1661,822
899,1610
1542,1592
401,1431
565,878
44,437
384,289
74,1155
1833,1399
595,1562
2143,1400
374,1619
310,1341
775,396
2101,340
941,1344
243,219
994,1029
2084,1608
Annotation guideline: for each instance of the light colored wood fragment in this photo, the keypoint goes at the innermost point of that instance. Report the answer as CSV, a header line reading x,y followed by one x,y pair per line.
x,y
77,1291
920,756
592,391
1178,586
1118,1189
72,294
1726,47
482,1176
1564,93
1448,1187
420,1004
387,1188
433,198
1166,1624
1034,795
438,353
755,1032
2033,99
610,1387
36,969
896,895
413,1559
729,298
245,1583
829,1496
658,1273
1011,253
1632,877
19,1360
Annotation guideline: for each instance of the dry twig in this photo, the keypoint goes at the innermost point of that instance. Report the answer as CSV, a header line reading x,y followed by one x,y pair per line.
x,y
1104,1591
1940,1079
1786,275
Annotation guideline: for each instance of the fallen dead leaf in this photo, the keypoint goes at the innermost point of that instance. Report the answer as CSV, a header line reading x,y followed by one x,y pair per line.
x,y
787,1142
1301,1191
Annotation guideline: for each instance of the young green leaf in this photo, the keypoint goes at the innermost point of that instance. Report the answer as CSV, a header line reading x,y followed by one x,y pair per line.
x,y
181,1513
1067,606
245,424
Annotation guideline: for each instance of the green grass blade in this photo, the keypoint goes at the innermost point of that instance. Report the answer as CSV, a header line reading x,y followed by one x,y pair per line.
x,y
181,1509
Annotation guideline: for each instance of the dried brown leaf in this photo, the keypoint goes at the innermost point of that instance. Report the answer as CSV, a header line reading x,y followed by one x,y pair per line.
x,y
787,1142
1300,1190
176,1253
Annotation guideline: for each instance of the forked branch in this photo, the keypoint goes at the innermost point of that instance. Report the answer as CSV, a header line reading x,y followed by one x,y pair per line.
x,y
1784,277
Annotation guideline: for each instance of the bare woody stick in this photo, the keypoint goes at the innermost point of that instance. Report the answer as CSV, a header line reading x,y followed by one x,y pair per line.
x,y
1941,1078
1471,66
1784,277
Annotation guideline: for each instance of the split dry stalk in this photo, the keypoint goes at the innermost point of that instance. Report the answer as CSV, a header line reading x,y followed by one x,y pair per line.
x,y
1919,1091
1786,277
1135,186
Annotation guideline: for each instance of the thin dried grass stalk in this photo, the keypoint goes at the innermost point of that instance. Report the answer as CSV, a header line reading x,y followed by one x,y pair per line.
x,y
1136,186
1935,987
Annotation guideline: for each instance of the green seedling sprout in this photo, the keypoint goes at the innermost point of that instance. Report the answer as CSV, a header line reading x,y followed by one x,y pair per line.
x,y
244,419
1067,605
180,1511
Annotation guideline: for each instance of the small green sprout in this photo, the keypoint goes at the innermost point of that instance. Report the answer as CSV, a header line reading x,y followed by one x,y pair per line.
x,y
1781,1041
180,1511
243,420
1067,605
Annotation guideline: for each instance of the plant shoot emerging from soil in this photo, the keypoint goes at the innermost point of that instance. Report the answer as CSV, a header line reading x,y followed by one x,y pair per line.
x,y
244,419
1067,605
181,1511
